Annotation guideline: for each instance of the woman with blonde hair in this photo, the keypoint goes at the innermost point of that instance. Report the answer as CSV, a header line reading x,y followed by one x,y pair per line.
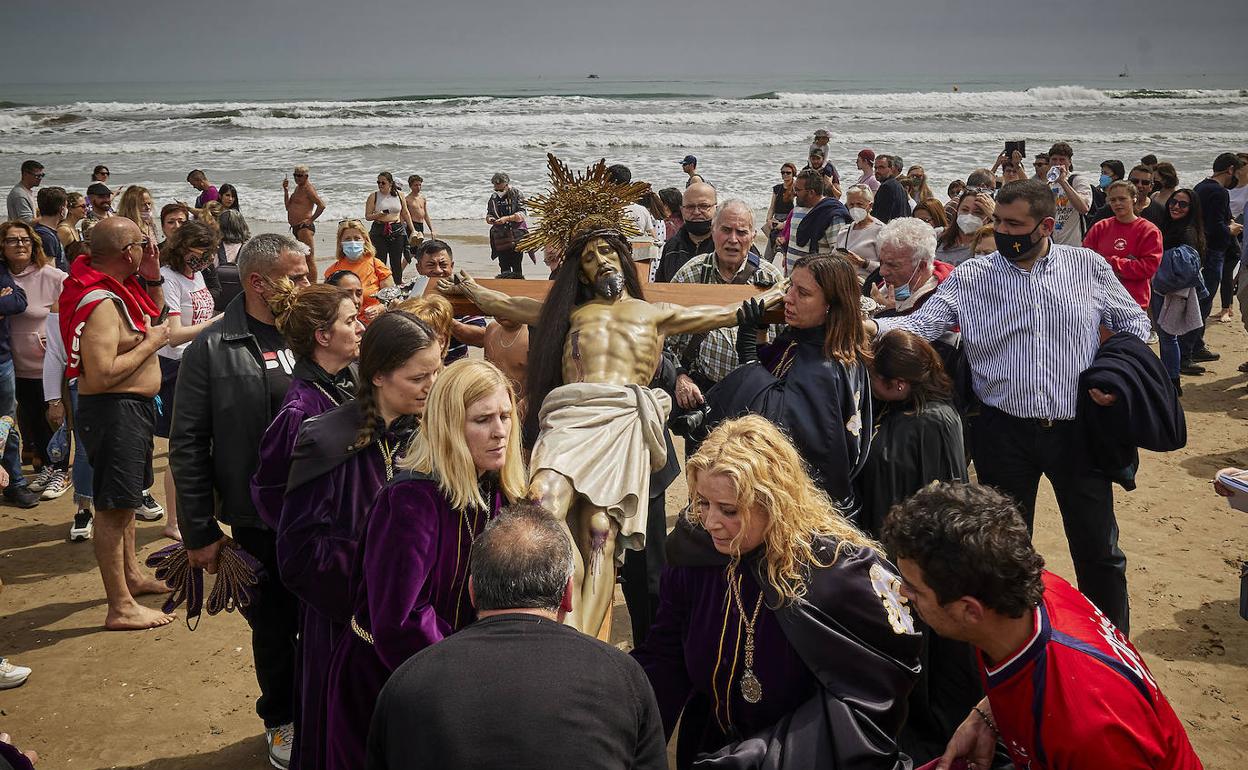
x,y
356,254
136,204
779,621
75,212
409,586
812,381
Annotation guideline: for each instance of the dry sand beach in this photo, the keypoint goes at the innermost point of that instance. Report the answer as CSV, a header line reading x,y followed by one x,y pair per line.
x,y
172,699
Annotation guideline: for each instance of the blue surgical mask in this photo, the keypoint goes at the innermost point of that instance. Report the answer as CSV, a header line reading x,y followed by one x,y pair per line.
x,y
902,293
1106,181
353,249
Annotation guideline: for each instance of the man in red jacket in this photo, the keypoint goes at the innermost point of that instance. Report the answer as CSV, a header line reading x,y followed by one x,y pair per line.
x,y
1065,687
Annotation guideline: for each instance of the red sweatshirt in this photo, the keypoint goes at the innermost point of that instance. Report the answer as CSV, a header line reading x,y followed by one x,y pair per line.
x,y
1134,251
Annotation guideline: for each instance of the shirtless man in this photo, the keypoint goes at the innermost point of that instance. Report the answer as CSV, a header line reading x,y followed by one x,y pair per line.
x,y
303,207
118,377
600,414
507,347
418,207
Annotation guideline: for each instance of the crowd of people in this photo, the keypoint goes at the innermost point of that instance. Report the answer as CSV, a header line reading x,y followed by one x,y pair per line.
x,y
836,591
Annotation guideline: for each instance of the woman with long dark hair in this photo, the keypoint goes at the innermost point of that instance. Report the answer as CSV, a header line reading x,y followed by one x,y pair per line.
x,y
918,440
782,202
813,380
228,198
392,222
341,461
409,582
1184,225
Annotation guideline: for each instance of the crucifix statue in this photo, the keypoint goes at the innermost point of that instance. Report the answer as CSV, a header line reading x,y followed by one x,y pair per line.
x,y
595,349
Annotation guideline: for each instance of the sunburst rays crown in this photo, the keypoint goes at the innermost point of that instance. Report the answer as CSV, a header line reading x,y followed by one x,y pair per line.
x,y
580,203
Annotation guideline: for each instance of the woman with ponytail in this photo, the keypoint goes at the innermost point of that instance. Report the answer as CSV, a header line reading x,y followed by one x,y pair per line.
x,y
409,586
341,461
319,324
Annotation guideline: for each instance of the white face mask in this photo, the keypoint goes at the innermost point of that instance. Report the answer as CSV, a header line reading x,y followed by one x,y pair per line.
x,y
969,223
857,214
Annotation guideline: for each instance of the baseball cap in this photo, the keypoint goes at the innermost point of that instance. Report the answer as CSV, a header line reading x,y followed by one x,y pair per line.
x,y
1226,161
821,134
867,154
689,159
99,188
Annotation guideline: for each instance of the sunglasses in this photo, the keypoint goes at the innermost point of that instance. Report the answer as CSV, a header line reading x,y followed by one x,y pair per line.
x,y
40,175
1142,182
144,243
1179,205
300,176
786,173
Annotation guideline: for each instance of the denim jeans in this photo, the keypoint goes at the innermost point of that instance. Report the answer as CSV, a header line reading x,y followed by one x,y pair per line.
x,y
82,474
12,459
1211,274
1167,344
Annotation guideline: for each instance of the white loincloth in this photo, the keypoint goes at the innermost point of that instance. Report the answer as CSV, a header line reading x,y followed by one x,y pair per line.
x,y
607,440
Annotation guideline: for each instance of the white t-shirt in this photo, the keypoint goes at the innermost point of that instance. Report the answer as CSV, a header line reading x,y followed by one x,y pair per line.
x,y
188,298
1239,200
1069,227
641,217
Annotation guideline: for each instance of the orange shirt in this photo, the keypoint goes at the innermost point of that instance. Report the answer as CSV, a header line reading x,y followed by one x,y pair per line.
x,y
371,272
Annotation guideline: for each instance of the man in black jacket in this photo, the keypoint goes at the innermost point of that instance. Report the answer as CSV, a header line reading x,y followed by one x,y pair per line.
x,y
518,688
890,199
232,381
694,238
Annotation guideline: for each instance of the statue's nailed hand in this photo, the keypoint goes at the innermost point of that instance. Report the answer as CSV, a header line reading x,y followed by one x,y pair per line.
x,y
774,296
458,283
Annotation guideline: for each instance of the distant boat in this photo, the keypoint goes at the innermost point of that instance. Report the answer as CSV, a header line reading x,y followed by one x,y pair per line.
x,y
591,77
1126,73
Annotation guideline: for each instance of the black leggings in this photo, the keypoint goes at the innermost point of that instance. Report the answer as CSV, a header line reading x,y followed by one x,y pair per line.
x,y
1229,263
511,262
32,420
390,248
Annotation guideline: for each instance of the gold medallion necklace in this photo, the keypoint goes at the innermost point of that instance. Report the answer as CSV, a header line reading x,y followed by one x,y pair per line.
x,y
751,688
387,456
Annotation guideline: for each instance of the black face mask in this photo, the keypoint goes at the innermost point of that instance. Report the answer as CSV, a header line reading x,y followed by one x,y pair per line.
x,y
1017,248
698,227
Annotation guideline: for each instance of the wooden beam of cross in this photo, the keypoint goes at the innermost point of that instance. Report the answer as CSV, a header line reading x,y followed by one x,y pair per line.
x,y
683,294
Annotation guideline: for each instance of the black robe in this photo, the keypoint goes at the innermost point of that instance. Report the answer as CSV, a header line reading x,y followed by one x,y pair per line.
x,y
910,449
824,406
844,632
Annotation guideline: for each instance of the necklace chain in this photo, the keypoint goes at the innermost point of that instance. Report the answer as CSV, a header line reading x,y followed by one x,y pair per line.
x,y
751,688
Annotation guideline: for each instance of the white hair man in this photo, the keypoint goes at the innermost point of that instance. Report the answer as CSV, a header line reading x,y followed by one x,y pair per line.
x,y
704,359
909,271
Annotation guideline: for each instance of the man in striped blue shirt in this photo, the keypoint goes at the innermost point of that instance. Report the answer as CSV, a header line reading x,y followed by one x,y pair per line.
x,y
1031,316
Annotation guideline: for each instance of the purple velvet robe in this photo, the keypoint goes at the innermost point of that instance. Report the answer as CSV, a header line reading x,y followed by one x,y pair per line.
x,y
321,524
268,485
696,648
409,589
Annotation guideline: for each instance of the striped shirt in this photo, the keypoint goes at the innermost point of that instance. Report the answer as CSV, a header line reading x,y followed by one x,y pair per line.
x,y
1028,335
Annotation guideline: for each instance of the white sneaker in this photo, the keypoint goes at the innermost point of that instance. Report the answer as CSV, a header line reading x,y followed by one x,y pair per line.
x,y
150,510
41,479
83,527
15,676
58,485
280,740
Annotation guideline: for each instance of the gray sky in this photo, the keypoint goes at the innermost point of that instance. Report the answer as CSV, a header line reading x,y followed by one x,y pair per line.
x,y
397,39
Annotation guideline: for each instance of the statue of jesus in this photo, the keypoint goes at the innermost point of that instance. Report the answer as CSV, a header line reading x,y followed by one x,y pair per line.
x,y
599,428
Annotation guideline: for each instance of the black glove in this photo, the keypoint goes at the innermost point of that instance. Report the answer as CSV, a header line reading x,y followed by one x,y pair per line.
x,y
749,321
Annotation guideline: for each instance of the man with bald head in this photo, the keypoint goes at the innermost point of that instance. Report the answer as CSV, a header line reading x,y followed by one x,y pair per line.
x,y
694,238
704,359
110,315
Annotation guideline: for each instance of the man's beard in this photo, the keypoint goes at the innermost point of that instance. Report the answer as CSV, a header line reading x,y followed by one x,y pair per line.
x,y
609,285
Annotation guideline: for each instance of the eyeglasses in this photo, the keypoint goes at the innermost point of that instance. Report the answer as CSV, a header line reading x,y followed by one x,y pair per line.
x,y
1142,182
144,243
353,223
17,242
1172,204
1039,164
699,208
300,176
786,173
104,172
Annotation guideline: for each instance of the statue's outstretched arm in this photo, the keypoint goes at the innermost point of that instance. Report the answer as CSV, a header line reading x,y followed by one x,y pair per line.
x,y
702,318
523,310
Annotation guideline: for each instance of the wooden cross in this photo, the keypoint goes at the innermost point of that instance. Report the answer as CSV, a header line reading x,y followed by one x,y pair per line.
x,y
675,293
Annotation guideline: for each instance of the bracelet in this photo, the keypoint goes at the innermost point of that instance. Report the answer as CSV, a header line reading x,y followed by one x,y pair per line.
x,y
991,725
149,283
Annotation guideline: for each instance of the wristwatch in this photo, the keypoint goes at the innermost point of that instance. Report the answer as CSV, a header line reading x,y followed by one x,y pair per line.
x,y
150,282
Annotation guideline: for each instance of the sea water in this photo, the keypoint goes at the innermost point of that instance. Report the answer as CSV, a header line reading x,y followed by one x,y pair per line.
x,y
456,135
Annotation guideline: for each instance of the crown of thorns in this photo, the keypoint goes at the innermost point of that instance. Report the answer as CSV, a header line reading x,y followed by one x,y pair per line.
x,y
581,203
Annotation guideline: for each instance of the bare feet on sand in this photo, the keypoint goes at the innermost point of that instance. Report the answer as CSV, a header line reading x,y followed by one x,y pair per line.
x,y
136,617
146,586
171,530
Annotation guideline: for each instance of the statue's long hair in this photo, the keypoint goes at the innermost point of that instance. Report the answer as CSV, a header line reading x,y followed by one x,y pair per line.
x,y
546,342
